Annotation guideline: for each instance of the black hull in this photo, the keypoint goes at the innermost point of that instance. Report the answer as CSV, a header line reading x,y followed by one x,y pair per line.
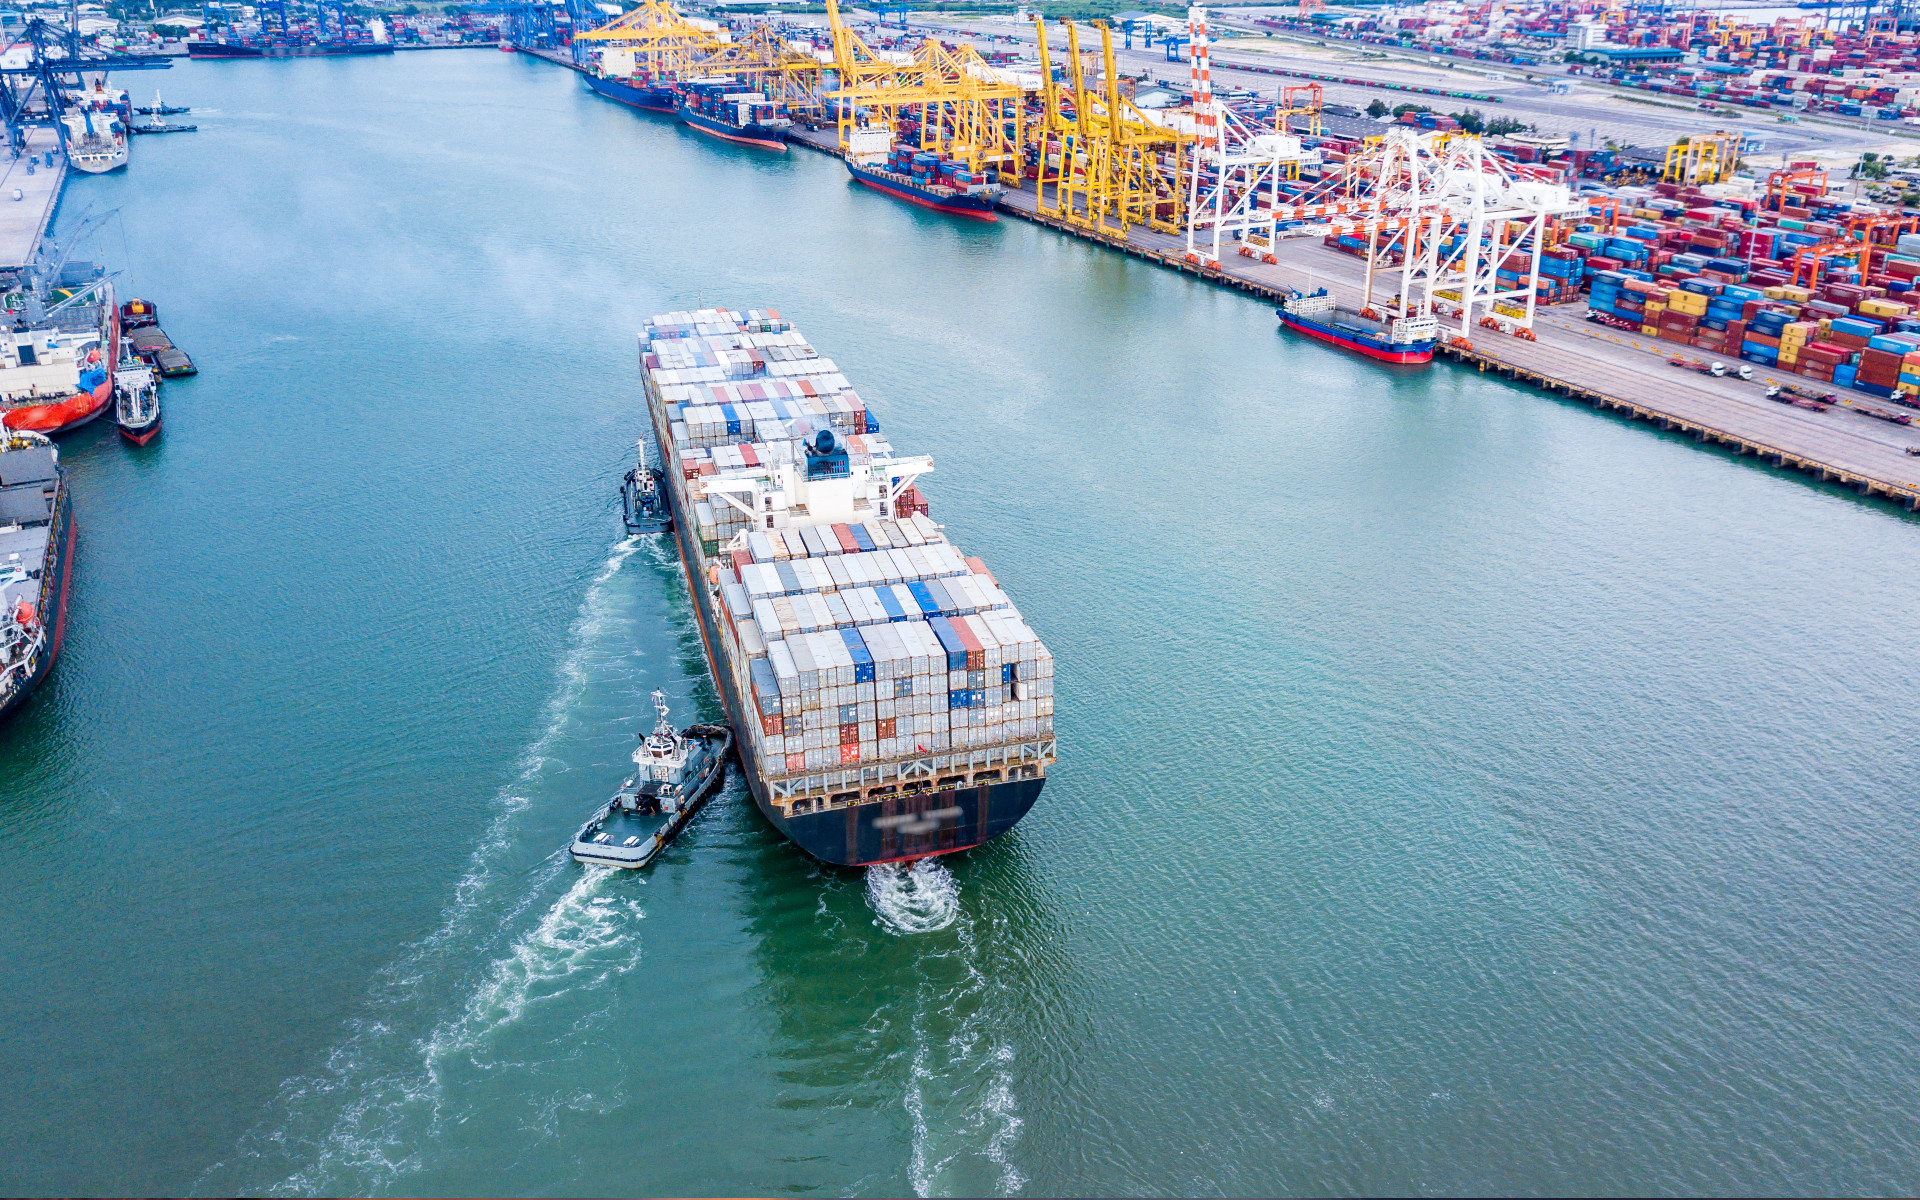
x,y
63,537
900,828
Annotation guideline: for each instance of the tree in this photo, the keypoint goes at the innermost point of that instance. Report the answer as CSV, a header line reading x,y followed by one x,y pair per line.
x,y
1404,109
1871,166
1500,125
1377,109
1471,121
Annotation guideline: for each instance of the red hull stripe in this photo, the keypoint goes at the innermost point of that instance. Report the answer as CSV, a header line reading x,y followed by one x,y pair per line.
x,y
1359,347
923,202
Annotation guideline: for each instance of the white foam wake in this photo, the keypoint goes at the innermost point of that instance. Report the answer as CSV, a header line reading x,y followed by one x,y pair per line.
x,y
958,1094
360,1121
923,898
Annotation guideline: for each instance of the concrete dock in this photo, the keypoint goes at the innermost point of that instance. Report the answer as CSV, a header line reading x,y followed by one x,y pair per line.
x,y
24,221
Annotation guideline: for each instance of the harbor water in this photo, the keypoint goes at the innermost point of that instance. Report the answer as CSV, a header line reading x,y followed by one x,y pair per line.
x,y
1459,791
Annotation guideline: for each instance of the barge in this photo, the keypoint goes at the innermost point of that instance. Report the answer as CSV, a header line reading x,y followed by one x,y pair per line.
x,y
1407,339
890,702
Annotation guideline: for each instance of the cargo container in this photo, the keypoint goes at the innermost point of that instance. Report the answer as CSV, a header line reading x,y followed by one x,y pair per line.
x,y
889,701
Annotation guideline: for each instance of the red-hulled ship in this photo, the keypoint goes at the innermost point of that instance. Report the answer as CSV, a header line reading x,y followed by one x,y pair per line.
x,y
1387,339
57,374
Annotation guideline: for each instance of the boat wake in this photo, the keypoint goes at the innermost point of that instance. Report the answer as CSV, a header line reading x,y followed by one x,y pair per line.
x,y
923,898
363,1118
958,1094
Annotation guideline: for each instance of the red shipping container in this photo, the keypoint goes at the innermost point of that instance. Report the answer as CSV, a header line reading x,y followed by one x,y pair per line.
x,y
1763,340
848,544
796,762
884,728
849,733
849,753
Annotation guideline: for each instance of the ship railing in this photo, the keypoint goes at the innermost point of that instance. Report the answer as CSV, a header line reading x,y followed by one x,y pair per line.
x,y
922,768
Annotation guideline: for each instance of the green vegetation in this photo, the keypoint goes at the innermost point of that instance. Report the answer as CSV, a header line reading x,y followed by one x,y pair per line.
x,y
1377,109
1471,120
1500,125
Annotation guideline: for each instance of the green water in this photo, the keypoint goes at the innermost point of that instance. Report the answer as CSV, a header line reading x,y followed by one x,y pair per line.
x,y
1459,791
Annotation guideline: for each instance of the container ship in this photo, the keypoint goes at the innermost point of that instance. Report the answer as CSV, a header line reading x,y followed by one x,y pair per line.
x,y
619,77
56,374
928,180
1388,339
285,49
718,108
890,701
36,557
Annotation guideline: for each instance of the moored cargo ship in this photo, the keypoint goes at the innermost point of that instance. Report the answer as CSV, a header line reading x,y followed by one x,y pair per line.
x,y
56,374
928,180
721,108
890,702
1388,339
634,91
36,558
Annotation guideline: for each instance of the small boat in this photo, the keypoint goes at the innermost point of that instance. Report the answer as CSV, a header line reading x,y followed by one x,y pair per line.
x,y
138,314
136,402
643,499
160,108
675,774
1407,339
161,127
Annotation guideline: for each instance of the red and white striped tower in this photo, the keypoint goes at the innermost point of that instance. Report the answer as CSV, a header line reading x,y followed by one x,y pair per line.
x,y
1206,118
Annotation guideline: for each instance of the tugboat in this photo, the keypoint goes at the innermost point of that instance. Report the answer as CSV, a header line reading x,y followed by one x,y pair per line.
x,y
1407,339
643,499
719,108
676,772
36,556
136,402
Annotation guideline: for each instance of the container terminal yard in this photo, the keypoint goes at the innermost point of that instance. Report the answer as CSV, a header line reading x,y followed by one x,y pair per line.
x,y
1731,283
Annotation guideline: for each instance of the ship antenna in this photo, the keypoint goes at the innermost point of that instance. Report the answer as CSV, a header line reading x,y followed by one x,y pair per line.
x,y
660,706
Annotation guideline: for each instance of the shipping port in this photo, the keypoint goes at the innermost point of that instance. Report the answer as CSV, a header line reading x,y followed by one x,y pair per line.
x,y
1611,276
890,701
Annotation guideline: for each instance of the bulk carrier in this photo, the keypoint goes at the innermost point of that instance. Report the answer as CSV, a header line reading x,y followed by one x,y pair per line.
x,y
889,700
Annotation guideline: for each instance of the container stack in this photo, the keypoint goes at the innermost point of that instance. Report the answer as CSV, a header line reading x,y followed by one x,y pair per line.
x,y
854,634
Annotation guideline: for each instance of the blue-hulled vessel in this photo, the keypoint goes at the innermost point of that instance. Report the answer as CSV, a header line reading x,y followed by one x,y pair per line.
x,y
930,181
1387,339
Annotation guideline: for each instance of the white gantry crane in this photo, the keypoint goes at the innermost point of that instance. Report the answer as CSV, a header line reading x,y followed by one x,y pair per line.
x,y
1447,215
1234,175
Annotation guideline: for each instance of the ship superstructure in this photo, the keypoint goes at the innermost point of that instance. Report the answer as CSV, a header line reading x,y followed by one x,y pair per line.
x,y
891,701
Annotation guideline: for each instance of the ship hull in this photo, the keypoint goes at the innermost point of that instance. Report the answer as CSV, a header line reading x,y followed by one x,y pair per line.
x,y
63,537
142,434
646,99
745,135
899,829
221,50
1378,349
76,410
978,208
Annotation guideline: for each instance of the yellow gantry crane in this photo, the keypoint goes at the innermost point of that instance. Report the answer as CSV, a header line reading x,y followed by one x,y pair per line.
x,y
952,102
766,62
1702,158
1105,166
652,40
